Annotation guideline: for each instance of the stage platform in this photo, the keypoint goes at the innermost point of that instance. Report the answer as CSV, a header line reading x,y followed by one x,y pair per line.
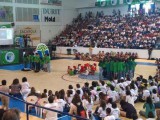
x,y
11,55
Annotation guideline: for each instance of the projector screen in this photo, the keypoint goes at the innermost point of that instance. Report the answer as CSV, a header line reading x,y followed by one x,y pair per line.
x,y
6,36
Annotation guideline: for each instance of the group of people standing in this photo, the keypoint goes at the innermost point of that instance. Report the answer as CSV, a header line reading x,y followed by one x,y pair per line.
x,y
115,67
33,61
24,41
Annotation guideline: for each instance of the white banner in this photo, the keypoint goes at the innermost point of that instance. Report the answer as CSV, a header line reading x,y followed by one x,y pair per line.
x,y
51,15
44,1
32,31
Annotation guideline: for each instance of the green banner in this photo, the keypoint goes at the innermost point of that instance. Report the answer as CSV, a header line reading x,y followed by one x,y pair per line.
x,y
113,3
110,3
6,26
9,57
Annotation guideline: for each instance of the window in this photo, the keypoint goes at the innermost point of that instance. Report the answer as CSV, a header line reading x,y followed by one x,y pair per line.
x,y
5,0
27,1
26,14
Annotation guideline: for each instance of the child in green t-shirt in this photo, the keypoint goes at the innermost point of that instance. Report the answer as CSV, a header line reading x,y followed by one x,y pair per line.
x,y
47,63
31,61
25,60
37,62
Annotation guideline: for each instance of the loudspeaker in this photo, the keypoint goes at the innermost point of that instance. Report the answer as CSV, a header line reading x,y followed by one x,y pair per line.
x,y
12,24
54,47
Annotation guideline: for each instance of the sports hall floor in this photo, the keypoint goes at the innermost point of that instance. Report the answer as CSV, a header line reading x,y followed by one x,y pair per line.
x,y
58,79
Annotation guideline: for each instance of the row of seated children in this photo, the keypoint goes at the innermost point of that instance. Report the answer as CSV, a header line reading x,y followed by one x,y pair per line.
x,y
86,69
102,54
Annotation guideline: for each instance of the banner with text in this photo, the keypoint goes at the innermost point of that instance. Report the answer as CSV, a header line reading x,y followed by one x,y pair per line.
x,y
51,15
52,2
32,31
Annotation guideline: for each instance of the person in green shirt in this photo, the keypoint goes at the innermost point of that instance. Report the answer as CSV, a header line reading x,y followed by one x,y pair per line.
x,y
111,68
108,69
37,62
31,61
47,62
42,63
115,68
119,68
133,66
104,68
123,69
149,107
25,60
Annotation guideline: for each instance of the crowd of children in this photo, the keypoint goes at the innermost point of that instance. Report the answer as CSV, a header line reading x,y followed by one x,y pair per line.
x,y
86,69
104,94
113,67
33,61
102,54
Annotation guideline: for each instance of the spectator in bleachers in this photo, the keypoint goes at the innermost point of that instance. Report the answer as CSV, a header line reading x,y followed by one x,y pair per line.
x,y
33,92
52,105
76,101
25,88
5,89
61,103
50,93
15,89
11,114
116,31
69,96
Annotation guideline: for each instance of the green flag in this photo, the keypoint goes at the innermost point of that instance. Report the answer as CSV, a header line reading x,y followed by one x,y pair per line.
x,y
9,57
6,26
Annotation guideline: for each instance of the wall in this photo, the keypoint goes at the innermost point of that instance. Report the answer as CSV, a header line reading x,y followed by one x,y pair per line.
x,y
142,53
158,4
48,30
85,3
107,11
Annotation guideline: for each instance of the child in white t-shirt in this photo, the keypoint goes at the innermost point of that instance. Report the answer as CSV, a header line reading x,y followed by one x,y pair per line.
x,y
25,87
102,109
155,98
109,115
115,110
129,97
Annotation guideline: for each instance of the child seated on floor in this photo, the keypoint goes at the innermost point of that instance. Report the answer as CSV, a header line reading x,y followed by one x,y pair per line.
x,y
86,71
71,72
68,70
78,68
74,70
92,69
82,69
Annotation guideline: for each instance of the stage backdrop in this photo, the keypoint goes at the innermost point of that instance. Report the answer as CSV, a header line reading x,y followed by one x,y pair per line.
x,y
33,31
9,57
